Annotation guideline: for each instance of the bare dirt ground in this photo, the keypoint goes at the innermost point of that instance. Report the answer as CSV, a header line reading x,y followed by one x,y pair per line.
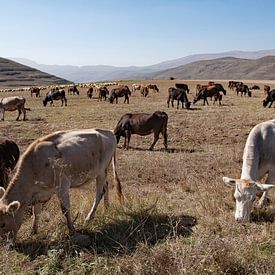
x,y
178,216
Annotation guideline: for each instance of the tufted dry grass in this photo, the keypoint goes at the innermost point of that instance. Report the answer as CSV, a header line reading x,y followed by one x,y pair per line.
x,y
178,215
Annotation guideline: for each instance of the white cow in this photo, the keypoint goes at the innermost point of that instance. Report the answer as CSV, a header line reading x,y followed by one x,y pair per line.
x,y
258,160
13,103
53,164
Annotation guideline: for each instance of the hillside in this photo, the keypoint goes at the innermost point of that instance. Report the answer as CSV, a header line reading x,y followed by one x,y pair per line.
x,y
13,74
222,68
104,72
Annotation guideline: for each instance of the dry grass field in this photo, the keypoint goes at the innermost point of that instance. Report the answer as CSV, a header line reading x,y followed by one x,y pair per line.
x,y
178,217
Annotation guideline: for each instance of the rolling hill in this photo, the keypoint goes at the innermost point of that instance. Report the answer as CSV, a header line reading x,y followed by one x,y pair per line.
x,y
222,68
105,72
13,74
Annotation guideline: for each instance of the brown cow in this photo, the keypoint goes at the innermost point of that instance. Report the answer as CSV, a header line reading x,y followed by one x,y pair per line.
x,y
102,93
266,89
120,91
210,91
153,87
144,91
90,92
73,90
35,90
9,155
142,124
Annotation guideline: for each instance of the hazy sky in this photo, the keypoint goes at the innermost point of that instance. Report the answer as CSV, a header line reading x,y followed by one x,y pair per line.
x,y
132,32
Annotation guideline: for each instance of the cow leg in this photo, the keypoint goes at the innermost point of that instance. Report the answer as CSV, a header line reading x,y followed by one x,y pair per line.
x,y
268,106
100,185
19,113
24,114
36,210
156,138
65,99
64,199
3,112
127,139
106,194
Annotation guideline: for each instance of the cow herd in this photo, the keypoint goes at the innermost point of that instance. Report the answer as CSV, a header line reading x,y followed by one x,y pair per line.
x,y
68,159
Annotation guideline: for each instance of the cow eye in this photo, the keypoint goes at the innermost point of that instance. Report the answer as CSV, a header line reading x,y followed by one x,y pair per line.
x,y
2,225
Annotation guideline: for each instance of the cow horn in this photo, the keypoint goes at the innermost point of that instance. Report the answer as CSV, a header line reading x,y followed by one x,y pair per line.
x,y
2,191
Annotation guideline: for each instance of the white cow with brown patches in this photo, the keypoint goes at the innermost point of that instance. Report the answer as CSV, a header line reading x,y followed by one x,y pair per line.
x,y
52,165
258,160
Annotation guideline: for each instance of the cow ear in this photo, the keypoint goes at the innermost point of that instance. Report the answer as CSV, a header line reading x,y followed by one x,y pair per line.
x,y
13,207
263,186
229,181
2,191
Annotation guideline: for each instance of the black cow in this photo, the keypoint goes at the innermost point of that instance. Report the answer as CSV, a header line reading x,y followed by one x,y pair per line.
x,y
182,86
180,96
142,124
9,155
57,95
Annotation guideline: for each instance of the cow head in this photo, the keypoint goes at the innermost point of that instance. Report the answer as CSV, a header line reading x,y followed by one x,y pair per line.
x,y
8,225
245,194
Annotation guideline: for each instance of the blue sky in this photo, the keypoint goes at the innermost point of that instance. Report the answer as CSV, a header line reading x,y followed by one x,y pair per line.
x,y
132,32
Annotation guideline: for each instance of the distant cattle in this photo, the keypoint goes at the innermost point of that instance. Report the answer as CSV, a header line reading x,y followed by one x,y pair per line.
x,y
144,91
270,98
136,87
13,103
179,95
142,124
9,155
153,87
73,90
243,89
35,90
90,92
255,87
103,92
233,84
210,91
52,165
120,91
57,95
182,86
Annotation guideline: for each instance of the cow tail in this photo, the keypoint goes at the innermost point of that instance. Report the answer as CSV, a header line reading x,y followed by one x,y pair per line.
x,y
117,180
164,129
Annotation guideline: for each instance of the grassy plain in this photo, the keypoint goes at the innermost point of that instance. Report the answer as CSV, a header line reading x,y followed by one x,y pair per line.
x,y
178,216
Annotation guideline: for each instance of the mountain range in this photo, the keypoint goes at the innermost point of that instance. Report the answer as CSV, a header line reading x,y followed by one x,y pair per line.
x,y
196,63
13,74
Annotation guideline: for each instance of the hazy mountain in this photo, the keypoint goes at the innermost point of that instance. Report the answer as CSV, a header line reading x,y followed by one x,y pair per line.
x,y
222,68
104,72
13,74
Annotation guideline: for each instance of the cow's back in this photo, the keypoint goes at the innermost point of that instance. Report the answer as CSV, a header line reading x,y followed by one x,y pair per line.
x,y
77,154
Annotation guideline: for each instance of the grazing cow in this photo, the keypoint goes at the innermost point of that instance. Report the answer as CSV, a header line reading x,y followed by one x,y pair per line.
x,y
57,95
102,93
182,86
144,91
9,154
90,92
210,91
13,103
142,124
255,87
153,87
258,160
120,91
35,90
135,87
52,165
269,98
73,90
233,84
179,95
266,89
243,89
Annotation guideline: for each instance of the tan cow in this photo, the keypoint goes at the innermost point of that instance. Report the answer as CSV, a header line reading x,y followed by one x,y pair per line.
x,y
13,103
53,164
